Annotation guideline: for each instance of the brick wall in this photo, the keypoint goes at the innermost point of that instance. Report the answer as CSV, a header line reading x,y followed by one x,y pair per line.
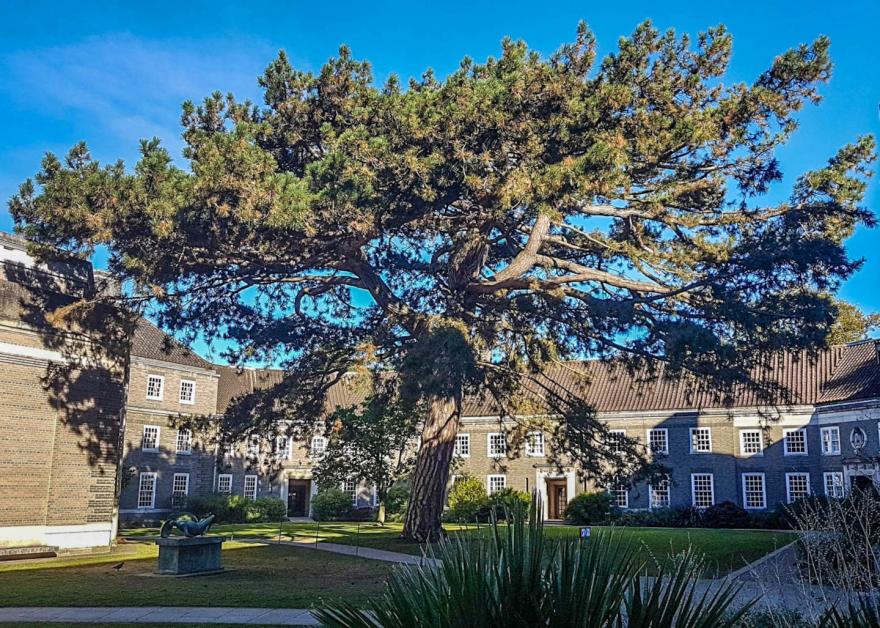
x,y
165,414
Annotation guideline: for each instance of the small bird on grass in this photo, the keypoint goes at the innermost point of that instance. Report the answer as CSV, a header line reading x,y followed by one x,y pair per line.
x,y
119,566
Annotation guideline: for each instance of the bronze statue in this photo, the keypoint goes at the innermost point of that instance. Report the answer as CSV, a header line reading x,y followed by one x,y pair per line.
x,y
187,523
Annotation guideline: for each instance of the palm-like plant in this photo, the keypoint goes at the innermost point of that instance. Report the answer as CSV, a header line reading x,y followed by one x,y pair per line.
x,y
863,614
517,577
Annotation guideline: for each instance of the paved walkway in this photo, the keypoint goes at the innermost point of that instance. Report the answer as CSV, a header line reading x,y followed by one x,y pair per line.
x,y
351,550
160,615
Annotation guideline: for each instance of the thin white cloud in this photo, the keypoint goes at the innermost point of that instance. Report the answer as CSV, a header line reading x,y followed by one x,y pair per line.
x,y
131,87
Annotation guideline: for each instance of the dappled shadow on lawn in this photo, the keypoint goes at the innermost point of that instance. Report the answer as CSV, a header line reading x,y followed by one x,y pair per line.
x,y
724,550
256,576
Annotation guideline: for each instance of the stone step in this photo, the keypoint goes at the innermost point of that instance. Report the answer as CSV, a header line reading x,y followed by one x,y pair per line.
x,y
28,551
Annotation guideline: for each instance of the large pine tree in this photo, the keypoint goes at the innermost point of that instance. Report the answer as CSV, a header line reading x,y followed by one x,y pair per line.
x,y
471,230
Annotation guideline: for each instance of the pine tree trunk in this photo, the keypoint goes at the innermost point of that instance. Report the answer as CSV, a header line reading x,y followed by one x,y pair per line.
x,y
431,473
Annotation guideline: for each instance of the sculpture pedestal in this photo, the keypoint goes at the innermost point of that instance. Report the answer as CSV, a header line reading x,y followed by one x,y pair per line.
x,y
182,556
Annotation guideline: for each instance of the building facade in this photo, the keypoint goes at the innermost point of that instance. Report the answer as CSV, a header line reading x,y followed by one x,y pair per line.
x,y
165,462
820,436
61,395
88,437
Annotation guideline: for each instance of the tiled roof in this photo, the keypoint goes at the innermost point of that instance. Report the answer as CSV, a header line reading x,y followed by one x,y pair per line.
x,y
151,342
856,375
839,373
234,382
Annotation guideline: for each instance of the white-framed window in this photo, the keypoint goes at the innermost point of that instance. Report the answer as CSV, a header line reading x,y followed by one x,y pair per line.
x,y
702,490
180,485
147,490
701,440
658,493
184,441
497,444
155,387
535,444
187,391
620,495
751,443
797,486
754,491
150,439
317,447
616,439
349,487
283,447
224,483
795,442
658,440
495,483
253,446
462,446
830,441
250,486
833,481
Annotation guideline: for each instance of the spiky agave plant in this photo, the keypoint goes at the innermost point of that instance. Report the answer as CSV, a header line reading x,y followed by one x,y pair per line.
x,y
673,598
865,613
517,577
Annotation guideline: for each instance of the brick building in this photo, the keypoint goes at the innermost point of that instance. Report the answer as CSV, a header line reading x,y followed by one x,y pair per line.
x,y
163,462
820,434
70,422
61,394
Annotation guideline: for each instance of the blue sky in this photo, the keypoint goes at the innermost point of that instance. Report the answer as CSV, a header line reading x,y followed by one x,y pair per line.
x,y
111,73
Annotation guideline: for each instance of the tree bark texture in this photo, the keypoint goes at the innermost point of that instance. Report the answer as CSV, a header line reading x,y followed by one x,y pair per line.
x,y
431,473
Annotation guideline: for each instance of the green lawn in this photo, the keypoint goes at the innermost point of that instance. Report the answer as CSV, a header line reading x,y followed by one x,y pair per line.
x,y
282,576
724,550
262,576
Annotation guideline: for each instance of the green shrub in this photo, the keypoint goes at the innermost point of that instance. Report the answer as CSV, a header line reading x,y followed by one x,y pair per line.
x,y
770,520
330,504
217,505
726,515
789,514
467,498
238,509
654,518
267,510
397,499
590,509
505,501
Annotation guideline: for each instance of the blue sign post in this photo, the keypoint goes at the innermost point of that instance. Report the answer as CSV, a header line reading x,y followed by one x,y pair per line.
x,y
585,533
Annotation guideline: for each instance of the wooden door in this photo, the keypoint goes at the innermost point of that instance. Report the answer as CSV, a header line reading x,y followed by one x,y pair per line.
x,y
298,498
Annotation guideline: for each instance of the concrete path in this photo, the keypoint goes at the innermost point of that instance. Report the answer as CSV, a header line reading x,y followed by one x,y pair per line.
x,y
159,615
351,550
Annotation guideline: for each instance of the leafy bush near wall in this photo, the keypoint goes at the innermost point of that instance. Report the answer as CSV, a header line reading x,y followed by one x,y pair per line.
x,y
237,509
726,515
656,518
504,502
467,498
397,500
331,504
269,509
590,509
